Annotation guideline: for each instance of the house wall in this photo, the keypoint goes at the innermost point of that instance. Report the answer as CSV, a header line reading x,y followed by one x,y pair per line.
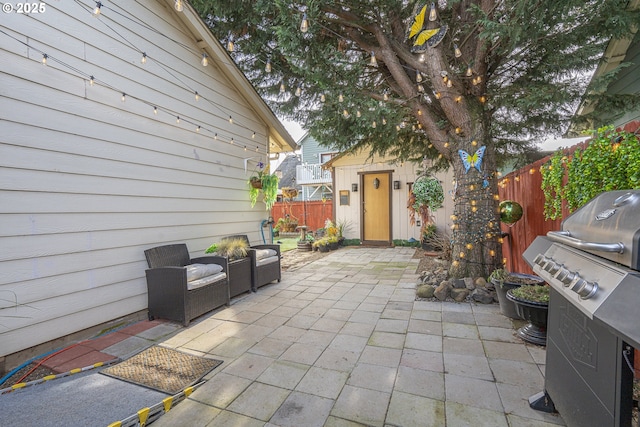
x,y
310,153
88,182
346,173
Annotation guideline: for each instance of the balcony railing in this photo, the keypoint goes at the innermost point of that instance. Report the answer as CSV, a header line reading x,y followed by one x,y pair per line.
x,y
312,174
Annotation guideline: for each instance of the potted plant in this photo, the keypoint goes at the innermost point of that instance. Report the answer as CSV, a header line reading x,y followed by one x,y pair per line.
x,y
322,244
532,305
263,181
503,281
236,251
305,242
286,224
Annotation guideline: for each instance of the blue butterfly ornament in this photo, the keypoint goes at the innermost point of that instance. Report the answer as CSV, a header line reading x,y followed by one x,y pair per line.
x,y
472,160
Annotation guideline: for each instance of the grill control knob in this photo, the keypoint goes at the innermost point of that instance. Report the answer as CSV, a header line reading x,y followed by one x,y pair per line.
x,y
584,288
552,267
565,276
539,259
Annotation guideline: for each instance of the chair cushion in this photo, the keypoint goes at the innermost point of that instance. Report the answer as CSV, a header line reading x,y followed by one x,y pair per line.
x,y
204,281
265,261
197,271
265,253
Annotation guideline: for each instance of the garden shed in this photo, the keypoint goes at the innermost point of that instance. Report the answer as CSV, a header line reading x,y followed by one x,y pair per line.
x,y
125,125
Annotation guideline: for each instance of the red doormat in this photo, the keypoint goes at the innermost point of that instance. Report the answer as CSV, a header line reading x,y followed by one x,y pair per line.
x,y
163,369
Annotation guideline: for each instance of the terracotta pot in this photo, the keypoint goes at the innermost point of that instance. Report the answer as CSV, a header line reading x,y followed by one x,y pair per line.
x,y
256,183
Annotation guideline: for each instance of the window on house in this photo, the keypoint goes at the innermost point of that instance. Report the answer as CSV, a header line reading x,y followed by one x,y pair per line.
x,y
325,157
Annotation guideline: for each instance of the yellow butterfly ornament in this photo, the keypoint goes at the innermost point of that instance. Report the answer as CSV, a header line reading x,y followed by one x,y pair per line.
x,y
424,37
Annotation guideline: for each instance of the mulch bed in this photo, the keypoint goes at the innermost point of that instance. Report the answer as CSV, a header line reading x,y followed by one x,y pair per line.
x,y
40,372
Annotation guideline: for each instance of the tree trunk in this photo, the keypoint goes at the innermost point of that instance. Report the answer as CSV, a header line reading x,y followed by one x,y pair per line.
x,y
476,234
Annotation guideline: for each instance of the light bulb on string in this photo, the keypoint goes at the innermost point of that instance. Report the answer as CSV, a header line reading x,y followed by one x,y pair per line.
x,y
469,71
420,88
432,13
230,120
373,62
358,114
373,124
178,120
438,95
230,45
323,98
267,67
198,128
124,97
143,60
155,111
422,57
304,25
418,76
215,136
345,114
245,148
44,58
178,6
449,83
257,148
96,10
456,51
385,96
282,87
340,98
197,96
91,80
253,135
298,91
384,120
205,60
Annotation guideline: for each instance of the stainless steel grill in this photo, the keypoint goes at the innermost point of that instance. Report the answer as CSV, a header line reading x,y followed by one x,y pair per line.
x,y
593,268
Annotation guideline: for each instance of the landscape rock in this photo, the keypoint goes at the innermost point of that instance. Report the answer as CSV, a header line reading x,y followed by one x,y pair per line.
x,y
458,283
442,291
482,296
481,282
459,294
468,283
425,291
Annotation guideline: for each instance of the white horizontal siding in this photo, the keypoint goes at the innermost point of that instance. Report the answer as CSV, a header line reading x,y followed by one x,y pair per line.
x,y
87,182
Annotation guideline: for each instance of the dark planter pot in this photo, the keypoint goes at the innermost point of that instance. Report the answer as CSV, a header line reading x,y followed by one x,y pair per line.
x,y
334,246
507,307
323,248
535,313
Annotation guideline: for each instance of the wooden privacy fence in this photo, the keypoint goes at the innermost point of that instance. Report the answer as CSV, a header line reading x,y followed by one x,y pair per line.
x,y
524,186
313,214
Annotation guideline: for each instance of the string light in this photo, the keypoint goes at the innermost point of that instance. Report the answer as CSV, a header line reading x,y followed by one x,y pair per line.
x,y
373,124
482,99
358,114
267,67
177,119
322,97
298,91
418,76
253,135
96,10
384,120
143,60
282,87
304,25
374,61
456,51
91,80
177,5
230,44
198,128
155,110
449,83
345,114
124,97
458,99
438,95
340,98
385,96
197,96
230,120
44,58
204,60
469,71
422,57
432,13
231,141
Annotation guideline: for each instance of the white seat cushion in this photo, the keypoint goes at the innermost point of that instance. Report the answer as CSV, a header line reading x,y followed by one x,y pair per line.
x,y
204,281
265,253
265,261
197,271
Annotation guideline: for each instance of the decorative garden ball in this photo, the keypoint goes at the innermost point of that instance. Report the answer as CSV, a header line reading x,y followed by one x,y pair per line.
x,y
510,211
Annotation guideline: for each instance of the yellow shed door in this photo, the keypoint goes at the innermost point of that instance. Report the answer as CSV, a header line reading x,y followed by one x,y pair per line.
x,y
376,208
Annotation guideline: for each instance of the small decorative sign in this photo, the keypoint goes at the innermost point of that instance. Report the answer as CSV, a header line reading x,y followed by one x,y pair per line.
x,y
344,197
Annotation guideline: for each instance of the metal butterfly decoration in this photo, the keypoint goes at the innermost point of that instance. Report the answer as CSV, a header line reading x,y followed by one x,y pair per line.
x,y
425,37
472,160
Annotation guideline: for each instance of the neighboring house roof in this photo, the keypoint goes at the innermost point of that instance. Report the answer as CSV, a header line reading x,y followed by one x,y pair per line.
x,y
288,170
613,56
279,138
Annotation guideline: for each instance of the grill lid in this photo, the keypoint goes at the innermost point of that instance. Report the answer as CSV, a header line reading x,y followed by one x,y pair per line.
x,y
607,226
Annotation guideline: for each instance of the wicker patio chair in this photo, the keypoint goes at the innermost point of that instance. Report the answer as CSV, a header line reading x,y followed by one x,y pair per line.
x,y
171,296
265,263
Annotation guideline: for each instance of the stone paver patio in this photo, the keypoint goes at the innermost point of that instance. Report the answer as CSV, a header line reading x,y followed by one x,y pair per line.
x,y
342,342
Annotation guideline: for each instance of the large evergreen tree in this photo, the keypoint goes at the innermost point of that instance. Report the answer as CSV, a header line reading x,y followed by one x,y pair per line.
x,y
477,80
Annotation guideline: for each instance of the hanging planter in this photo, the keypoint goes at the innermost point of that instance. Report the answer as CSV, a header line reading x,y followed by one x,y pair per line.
x,y
256,183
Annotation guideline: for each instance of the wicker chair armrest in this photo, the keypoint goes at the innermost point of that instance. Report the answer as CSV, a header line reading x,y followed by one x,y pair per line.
x,y
164,277
274,247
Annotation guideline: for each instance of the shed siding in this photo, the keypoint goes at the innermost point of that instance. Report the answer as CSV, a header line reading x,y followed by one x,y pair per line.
x,y
346,173
88,182
627,81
